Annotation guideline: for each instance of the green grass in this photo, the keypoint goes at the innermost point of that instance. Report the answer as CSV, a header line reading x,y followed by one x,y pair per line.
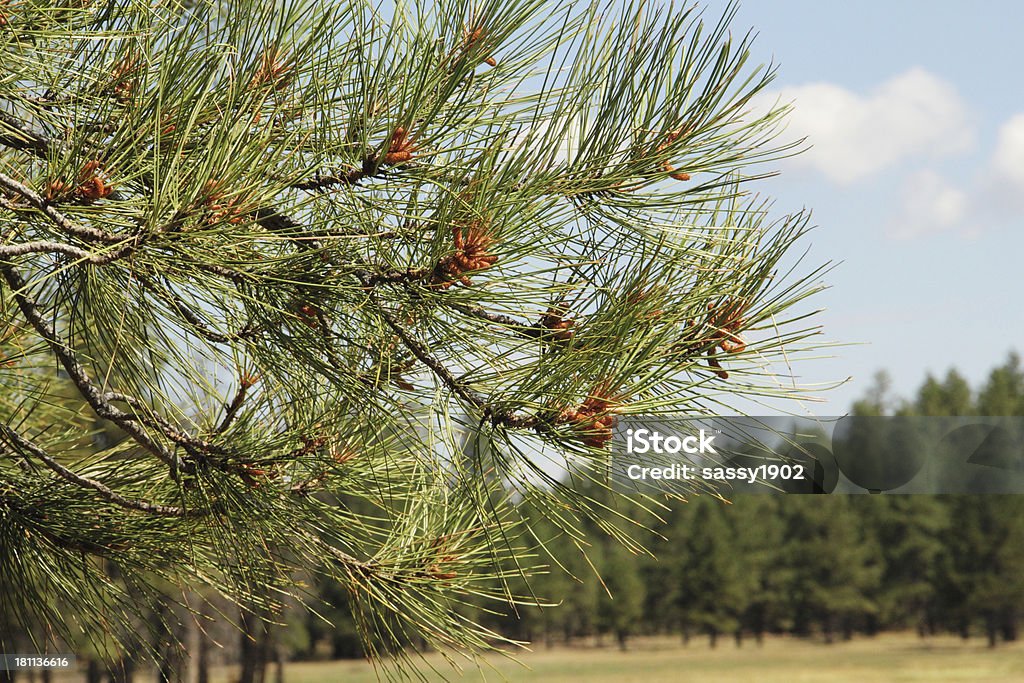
x,y
889,658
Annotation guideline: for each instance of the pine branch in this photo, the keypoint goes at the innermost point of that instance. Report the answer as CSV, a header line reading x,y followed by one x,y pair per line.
x,y
78,374
132,423
107,494
464,392
370,279
495,415
528,330
60,220
232,408
191,443
192,318
199,132
22,138
81,255
324,182
39,526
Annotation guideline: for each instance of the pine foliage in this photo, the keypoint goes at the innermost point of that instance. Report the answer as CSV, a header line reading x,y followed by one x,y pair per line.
x,y
277,247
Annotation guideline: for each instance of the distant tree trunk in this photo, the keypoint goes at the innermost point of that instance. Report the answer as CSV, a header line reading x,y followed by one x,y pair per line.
x,y
847,629
713,637
165,670
193,656
738,637
991,630
164,647
932,624
92,672
278,665
263,651
247,648
203,658
1008,625
123,671
621,636
257,643
802,624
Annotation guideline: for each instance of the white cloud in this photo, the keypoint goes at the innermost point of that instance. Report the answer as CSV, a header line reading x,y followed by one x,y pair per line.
x,y
929,204
1007,165
970,202
911,117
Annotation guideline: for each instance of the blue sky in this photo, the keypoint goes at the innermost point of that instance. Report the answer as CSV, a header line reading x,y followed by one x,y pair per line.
x,y
916,178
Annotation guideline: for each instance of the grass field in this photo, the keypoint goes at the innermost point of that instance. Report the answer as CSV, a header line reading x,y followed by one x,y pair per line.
x,y
896,657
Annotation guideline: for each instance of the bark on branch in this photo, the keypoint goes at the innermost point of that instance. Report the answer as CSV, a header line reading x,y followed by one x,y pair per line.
x,y
24,445
67,358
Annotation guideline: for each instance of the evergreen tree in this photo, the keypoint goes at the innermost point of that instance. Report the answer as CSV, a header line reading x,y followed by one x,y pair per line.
x,y
712,583
280,245
621,606
659,575
757,540
906,532
833,567
1003,393
981,574
950,397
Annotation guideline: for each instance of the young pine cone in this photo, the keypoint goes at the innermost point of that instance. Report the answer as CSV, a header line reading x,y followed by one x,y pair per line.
x,y
593,419
400,148
726,320
561,330
471,245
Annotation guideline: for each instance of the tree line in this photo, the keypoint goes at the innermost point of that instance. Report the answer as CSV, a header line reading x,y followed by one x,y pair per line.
x,y
823,566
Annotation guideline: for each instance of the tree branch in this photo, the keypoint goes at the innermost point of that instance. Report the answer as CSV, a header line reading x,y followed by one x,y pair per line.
x,y
364,568
48,247
155,420
25,140
371,279
78,374
60,220
457,386
530,331
425,357
231,409
191,317
107,494
22,138
324,182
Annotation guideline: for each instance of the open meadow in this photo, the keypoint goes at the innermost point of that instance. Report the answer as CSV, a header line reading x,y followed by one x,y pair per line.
x,y
888,658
